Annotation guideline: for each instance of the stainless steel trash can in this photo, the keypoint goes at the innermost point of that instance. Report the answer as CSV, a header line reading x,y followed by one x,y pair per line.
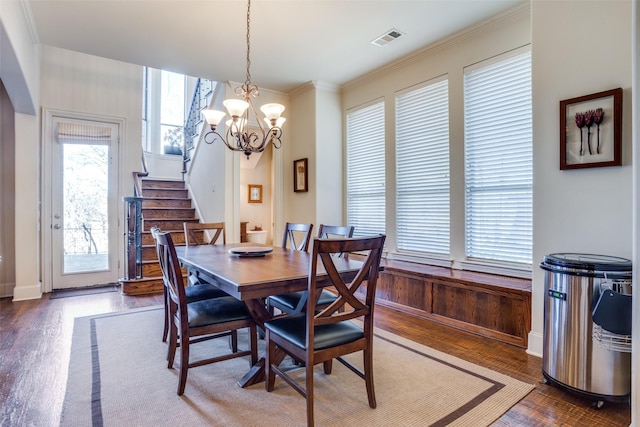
x,y
576,354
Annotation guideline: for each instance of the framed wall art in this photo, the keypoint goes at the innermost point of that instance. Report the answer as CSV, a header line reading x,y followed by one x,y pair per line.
x,y
300,176
255,193
591,130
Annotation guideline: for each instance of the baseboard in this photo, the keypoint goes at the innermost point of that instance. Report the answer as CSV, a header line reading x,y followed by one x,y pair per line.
x,y
22,293
535,344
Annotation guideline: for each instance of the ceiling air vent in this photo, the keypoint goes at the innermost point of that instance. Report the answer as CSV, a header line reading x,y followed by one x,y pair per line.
x,y
387,37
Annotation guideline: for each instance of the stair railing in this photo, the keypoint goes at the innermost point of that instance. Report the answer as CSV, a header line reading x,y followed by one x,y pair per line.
x,y
193,124
133,220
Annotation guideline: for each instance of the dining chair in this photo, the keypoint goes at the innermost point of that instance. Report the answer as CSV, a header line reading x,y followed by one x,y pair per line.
x,y
318,336
195,292
195,233
289,236
200,320
293,302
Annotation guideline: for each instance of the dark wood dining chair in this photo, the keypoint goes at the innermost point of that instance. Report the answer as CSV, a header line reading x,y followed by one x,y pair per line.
x,y
195,233
200,320
196,292
289,236
294,302
318,336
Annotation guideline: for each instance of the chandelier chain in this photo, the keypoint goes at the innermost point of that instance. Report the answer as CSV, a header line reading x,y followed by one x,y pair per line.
x,y
247,82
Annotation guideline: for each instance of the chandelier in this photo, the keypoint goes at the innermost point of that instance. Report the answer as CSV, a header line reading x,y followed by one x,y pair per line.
x,y
239,136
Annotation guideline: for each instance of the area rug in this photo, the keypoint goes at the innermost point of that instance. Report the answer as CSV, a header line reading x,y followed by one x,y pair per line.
x,y
89,290
118,377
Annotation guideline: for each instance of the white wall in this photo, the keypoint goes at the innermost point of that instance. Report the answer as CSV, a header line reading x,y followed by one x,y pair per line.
x,y
579,48
77,82
257,171
19,56
328,171
20,73
218,183
301,207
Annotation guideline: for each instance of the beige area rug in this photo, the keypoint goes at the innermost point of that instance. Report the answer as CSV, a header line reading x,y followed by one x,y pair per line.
x,y
118,377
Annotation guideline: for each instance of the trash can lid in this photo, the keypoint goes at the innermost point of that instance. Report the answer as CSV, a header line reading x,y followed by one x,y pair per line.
x,y
591,262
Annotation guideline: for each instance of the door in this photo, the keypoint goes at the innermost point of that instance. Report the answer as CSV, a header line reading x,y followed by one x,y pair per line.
x,y
84,217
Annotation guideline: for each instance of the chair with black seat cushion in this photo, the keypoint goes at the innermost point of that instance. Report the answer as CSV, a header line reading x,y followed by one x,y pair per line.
x,y
294,302
200,320
195,233
318,336
197,292
289,236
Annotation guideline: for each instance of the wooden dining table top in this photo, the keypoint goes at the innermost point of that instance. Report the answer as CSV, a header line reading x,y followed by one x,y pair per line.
x,y
254,277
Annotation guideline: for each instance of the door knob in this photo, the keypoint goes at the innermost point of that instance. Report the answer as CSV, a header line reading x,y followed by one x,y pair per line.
x,y
56,226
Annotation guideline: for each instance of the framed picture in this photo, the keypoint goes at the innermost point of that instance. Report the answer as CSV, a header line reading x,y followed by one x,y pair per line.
x,y
591,130
255,193
300,176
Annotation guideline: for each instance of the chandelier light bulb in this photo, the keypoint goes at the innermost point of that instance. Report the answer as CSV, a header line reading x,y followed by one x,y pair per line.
x,y
272,111
235,107
275,122
213,117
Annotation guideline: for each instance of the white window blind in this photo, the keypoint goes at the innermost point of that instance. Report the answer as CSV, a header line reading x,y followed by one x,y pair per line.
x,y
422,169
366,170
498,160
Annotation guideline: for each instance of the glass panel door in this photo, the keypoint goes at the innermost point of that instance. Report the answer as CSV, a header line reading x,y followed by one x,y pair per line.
x,y
84,205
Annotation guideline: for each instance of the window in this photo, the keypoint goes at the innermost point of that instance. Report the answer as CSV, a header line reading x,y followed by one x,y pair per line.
x,y
498,160
422,169
163,110
366,170
172,108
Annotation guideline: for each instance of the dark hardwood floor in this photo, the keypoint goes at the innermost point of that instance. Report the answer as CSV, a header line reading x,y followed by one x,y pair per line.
x,y
35,340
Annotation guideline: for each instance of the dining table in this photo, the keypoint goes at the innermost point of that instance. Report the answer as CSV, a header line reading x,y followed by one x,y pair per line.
x,y
251,272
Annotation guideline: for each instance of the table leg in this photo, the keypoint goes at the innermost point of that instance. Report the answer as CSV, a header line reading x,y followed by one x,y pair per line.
x,y
260,315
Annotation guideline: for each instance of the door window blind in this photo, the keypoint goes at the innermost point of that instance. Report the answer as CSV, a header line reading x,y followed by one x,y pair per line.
x,y
366,170
422,169
498,160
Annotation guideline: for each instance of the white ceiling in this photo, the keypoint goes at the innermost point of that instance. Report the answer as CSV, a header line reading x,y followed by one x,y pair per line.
x,y
292,41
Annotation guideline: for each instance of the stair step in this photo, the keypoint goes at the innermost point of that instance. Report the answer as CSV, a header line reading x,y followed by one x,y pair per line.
x,y
163,202
147,285
166,224
149,253
151,269
176,234
168,213
169,193
164,184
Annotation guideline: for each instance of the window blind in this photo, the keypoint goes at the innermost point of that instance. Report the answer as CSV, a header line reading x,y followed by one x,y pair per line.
x,y
422,169
498,160
366,170
80,133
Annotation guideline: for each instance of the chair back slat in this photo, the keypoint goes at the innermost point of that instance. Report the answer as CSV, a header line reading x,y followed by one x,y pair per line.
x,y
328,231
347,306
194,233
290,238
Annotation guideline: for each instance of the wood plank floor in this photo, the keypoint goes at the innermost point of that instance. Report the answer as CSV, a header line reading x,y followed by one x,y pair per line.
x,y
35,341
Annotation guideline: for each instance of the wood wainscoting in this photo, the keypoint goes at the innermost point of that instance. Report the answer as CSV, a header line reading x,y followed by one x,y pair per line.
x,y
492,306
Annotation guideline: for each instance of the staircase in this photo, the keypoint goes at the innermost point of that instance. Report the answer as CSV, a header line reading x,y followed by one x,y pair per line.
x,y
166,205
